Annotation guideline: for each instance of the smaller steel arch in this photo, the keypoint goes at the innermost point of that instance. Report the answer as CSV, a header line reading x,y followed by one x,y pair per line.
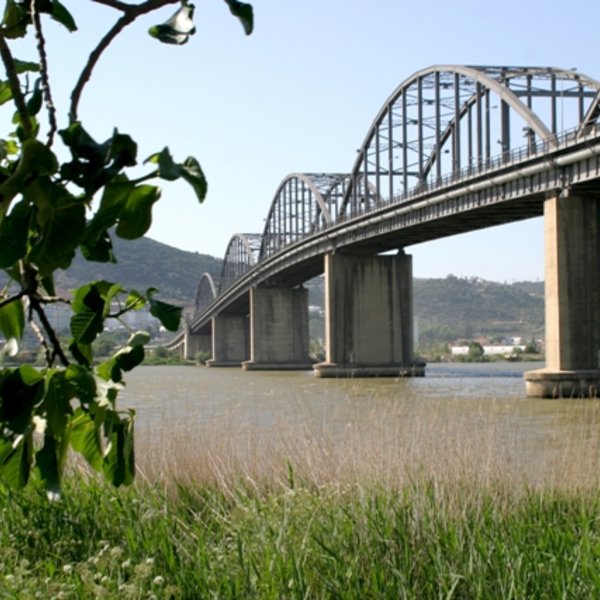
x,y
303,203
241,255
206,291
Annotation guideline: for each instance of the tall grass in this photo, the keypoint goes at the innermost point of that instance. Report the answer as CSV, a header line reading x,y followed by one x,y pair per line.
x,y
431,506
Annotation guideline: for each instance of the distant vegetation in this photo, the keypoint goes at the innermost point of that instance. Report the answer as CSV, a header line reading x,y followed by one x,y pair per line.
x,y
147,263
445,309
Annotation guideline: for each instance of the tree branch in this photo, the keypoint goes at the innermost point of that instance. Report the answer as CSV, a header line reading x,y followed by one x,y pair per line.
x,y
56,347
130,13
41,47
15,85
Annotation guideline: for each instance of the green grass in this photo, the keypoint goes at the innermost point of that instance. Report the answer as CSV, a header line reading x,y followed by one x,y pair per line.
x,y
299,540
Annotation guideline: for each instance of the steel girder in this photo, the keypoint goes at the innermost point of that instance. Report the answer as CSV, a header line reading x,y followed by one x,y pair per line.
x,y
206,292
241,255
450,120
303,204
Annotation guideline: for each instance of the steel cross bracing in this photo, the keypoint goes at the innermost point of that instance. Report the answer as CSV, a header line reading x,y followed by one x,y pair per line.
x,y
472,133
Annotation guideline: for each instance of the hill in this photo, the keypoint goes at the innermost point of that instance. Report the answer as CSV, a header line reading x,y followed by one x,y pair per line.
x,y
452,308
445,309
145,263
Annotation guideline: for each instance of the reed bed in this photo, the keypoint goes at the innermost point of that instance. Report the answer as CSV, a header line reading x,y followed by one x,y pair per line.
x,y
413,505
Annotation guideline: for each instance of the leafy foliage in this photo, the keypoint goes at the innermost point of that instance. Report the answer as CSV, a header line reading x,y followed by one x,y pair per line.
x,y
47,218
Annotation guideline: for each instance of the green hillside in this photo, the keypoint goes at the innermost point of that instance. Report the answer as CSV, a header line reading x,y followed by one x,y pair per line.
x,y
446,309
452,308
145,263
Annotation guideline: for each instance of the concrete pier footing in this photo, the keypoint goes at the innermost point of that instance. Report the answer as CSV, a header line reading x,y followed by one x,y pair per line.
x,y
368,317
230,341
279,338
572,293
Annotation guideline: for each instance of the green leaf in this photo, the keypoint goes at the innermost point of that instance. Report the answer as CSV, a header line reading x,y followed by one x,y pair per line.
x,y
5,92
12,320
61,15
47,463
119,462
189,170
93,164
114,199
36,161
34,104
15,20
192,173
136,216
88,320
177,29
20,390
15,461
13,234
61,225
85,438
167,314
24,66
244,13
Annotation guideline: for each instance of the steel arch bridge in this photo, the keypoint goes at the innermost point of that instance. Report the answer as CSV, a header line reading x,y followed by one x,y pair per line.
x,y
444,126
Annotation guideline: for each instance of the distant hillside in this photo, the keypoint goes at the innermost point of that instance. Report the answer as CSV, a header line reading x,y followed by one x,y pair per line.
x,y
445,309
145,263
452,308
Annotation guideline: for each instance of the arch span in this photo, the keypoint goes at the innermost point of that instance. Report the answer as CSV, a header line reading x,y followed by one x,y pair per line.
x,y
446,119
303,203
241,255
206,292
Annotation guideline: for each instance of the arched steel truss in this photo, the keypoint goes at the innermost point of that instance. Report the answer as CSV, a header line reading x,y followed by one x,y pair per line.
x,y
303,204
447,120
206,291
443,122
241,255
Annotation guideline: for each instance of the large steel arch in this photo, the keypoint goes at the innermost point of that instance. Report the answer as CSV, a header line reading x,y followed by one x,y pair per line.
x,y
450,119
206,292
303,203
241,255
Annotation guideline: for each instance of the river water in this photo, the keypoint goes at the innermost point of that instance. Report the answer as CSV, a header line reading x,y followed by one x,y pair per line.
x,y
476,412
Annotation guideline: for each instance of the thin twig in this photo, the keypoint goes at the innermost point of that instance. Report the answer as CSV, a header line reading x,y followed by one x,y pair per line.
x,y
130,14
43,342
14,298
56,346
41,47
15,85
114,4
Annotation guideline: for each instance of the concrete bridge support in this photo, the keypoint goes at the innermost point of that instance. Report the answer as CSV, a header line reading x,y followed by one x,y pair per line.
x,y
230,340
572,290
369,317
196,342
279,338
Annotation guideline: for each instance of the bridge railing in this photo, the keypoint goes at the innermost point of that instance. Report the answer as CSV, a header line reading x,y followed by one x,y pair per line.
x,y
502,161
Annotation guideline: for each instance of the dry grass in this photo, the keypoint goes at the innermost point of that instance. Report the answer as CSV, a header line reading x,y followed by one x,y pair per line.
x,y
486,447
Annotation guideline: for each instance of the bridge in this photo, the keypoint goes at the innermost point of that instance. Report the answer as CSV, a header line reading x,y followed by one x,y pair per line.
x,y
453,149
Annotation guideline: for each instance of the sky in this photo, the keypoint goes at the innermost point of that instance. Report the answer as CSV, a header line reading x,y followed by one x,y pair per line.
x,y
299,95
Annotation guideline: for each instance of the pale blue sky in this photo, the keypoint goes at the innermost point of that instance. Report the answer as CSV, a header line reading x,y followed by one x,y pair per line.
x,y
300,95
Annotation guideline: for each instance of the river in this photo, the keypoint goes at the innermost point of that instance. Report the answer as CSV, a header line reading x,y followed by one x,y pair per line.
x,y
475,410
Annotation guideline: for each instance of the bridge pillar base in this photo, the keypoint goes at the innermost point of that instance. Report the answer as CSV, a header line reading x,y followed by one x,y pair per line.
x,y
278,329
368,317
222,364
331,370
250,365
547,383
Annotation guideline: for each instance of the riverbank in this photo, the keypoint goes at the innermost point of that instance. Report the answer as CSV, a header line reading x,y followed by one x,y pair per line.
x,y
297,540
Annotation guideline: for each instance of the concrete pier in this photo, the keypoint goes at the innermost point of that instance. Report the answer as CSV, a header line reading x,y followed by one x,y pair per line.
x,y
230,340
196,342
369,317
279,338
572,290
